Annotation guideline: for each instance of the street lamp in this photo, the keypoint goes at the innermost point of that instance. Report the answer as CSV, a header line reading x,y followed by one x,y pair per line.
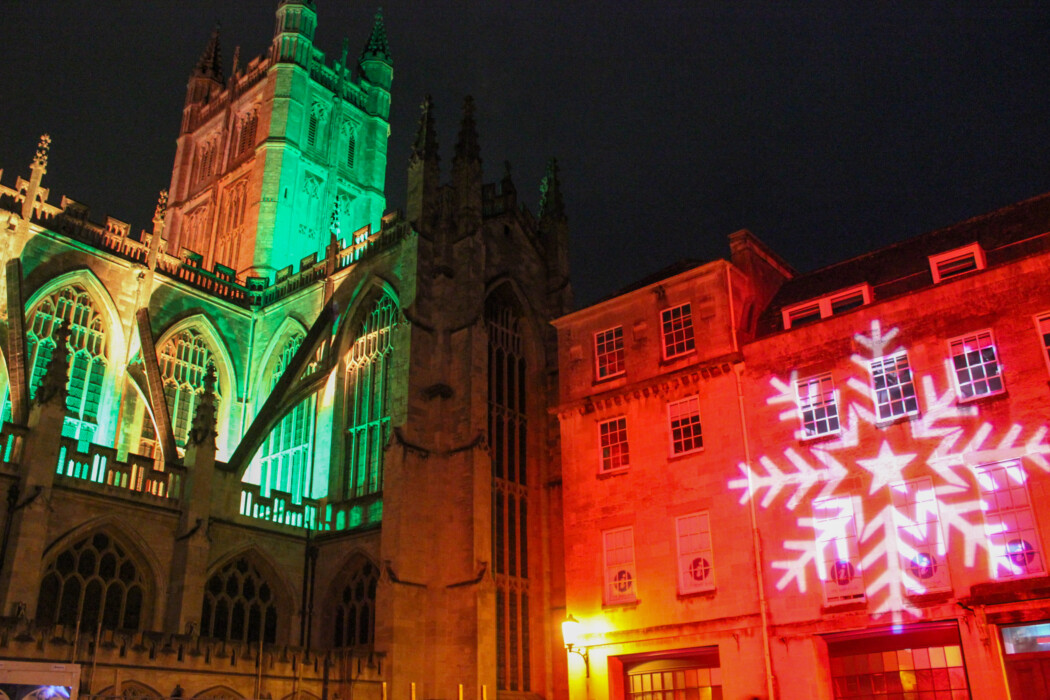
x,y
570,633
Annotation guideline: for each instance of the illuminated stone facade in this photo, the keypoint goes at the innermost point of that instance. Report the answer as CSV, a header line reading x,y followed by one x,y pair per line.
x,y
373,516
837,485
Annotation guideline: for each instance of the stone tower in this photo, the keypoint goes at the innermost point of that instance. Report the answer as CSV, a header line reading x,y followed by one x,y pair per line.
x,y
282,153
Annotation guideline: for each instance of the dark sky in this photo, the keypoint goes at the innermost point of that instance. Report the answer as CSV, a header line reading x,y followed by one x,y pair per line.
x,y
828,129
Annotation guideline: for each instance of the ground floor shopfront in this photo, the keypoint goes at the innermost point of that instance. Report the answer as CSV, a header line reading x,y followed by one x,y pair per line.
x,y
980,654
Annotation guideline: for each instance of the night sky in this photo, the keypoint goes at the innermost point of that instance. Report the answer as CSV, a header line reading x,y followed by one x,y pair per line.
x,y
828,129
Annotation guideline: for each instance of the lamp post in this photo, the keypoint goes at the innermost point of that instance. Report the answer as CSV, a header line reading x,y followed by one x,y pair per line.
x,y
570,633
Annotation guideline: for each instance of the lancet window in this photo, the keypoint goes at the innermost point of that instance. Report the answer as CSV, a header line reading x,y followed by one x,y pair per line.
x,y
93,581
239,604
355,608
507,442
72,306
287,453
367,405
183,360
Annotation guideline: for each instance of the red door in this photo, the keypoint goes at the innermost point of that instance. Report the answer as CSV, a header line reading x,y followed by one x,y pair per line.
x,y
1029,676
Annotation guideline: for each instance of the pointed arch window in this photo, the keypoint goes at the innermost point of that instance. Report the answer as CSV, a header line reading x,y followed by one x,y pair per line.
x,y
74,307
239,604
94,580
507,442
287,454
246,137
355,607
183,360
351,148
367,401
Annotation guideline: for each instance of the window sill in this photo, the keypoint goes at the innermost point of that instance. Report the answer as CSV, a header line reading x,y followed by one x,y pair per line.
x,y
674,359
823,437
611,473
680,455
882,423
706,593
625,605
976,399
845,606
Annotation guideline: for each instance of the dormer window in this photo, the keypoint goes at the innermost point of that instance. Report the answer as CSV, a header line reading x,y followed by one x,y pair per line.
x,y
957,262
831,305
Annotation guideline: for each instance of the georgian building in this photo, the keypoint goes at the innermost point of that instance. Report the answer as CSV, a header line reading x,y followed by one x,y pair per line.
x,y
821,485
284,442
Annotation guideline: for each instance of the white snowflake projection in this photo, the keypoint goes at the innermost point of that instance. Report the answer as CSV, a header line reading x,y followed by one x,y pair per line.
x,y
882,512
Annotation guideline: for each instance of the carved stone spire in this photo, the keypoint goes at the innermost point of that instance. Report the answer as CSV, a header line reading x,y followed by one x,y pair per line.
x,y
53,383
551,204
40,161
210,63
467,148
424,172
203,427
377,48
425,147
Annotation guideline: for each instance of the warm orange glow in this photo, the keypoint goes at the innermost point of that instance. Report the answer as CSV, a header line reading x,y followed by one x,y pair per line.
x,y
570,631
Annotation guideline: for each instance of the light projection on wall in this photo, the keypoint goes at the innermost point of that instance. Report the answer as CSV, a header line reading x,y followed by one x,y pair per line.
x,y
911,472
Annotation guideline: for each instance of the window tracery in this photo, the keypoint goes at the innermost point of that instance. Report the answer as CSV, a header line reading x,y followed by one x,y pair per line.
x,y
239,604
355,607
287,454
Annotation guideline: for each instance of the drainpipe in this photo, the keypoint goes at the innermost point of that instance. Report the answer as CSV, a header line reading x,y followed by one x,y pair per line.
x,y
756,540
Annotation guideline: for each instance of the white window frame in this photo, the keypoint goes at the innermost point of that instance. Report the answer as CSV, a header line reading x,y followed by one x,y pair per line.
x,y
598,354
1015,549
975,342
813,310
692,402
696,568
623,455
881,362
826,397
619,574
1042,329
690,340
920,539
939,261
837,545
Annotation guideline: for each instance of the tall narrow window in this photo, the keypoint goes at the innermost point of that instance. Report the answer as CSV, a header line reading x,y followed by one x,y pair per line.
x,y
73,307
677,327
184,360
239,605
355,609
613,438
893,387
1015,549
618,549
508,443
94,581
351,148
817,406
838,555
287,454
246,138
684,417
919,539
976,366
367,406
695,560
608,353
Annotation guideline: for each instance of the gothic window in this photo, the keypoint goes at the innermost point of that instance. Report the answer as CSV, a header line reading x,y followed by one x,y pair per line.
x,y
355,608
314,125
367,402
73,306
93,580
287,453
196,222
351,147
183,360
231,221
239,604
246,137
507,443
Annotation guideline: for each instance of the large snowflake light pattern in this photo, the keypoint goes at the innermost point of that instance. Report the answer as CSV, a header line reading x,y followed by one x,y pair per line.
x,y
881,514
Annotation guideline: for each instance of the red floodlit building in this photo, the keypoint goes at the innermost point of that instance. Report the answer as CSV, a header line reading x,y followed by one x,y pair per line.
x,y
828,485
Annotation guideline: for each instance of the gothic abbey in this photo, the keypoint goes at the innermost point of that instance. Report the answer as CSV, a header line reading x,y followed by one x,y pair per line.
x,y
285,443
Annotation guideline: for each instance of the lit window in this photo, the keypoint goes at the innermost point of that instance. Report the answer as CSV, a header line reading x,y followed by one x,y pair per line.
x,y
695,563
614,444
618,546
919,539
957,262
838,557
1015,549
817,406
830,305
678,331
1043,327
976,366
893,387
685,425
608,352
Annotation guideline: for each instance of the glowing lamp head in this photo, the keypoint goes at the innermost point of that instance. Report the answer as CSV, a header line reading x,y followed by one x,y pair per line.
x,y
570,631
